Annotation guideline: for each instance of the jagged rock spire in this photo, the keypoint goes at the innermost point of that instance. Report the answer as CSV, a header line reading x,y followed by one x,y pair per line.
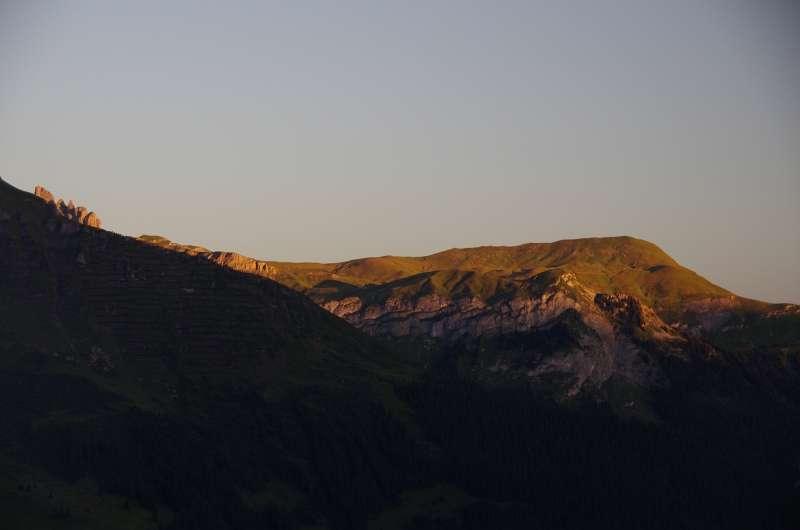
x,y
44,194
79,214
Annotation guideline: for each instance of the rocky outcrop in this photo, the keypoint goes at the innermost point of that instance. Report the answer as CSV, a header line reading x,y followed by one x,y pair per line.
x,y
623,320
101,362
596,358
440,317
79,214
606,346
713,313
714,305
240,263
226,259
44,194
629,315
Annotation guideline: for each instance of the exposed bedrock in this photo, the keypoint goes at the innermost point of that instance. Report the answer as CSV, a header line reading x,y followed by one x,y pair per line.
x,y
604,349
440,317
79,214
240,263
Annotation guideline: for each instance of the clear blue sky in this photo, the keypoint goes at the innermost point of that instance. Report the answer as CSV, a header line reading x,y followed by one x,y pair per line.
x,y
325,131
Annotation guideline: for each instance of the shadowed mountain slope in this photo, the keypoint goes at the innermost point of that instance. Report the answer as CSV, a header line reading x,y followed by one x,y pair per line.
x,y
184,386
142,387
179,315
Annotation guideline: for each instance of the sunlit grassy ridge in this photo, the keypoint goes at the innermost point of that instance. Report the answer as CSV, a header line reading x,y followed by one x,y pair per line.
x,y
614,265
618,265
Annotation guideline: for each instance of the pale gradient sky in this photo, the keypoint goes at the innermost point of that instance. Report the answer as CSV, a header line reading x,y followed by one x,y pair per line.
x,y
326,131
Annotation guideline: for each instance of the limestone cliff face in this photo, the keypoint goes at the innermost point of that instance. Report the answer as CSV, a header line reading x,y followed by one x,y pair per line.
x,y
440,317
605,348
240,263
79,214
713,313
600,354
231,260
44,194
738,322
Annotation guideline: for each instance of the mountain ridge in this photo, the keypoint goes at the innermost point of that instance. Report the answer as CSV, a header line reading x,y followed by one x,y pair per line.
x,y
615,266
622,302
521,262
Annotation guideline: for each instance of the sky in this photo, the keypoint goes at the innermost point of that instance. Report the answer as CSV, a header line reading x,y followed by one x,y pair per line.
x,y
328,131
